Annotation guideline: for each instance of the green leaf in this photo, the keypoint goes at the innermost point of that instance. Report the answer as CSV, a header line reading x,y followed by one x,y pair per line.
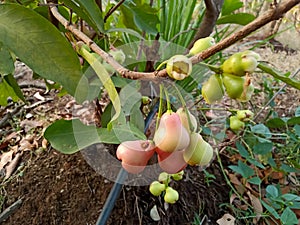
x,y
278,75
288,217
291,197
42,47
70,136
130,97
272,191
297,130
270,209
297,112
238,18
243,152
126,30
144,18
104,78
263,148
6,61
11,81
275,123
254,180
294,121
89,11
261,129
6,91
231,5
243,169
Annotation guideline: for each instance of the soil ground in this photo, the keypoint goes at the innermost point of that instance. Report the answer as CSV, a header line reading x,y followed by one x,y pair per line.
x,y
58,189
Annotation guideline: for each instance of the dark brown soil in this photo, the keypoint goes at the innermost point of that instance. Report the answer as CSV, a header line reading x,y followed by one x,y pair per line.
x,y
63,189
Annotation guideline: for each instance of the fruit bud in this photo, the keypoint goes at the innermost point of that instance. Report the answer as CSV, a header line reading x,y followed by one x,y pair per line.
x,y
178,176
235,124
202,44
213,89
244,115
179,67
171,195
156,188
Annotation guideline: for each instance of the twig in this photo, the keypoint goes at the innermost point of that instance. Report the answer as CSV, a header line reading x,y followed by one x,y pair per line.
x,y
9,115
112,10
272,14
10,210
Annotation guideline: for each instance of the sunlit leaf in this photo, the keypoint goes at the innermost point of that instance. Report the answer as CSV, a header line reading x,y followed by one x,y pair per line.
x,y
238,18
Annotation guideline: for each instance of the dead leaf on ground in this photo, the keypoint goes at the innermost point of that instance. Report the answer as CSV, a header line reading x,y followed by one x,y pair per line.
x,y
28,144
6,157
226,219
255,202
12,166
30,124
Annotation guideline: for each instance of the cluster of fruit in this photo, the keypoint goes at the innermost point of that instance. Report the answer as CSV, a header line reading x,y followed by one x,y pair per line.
x,y
161,186
234,79
176,143
237,122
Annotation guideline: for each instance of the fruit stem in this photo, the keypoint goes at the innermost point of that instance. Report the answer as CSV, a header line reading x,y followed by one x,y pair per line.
x,y
160,108
216,69
169,108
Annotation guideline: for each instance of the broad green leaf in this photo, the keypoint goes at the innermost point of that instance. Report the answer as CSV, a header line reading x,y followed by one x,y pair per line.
x,y
70,136
238,18
89,11
6,91
272,191
270,209
290,197
288,217
294,121
104,78
129,97
275,123
6,61
243,152
231,5
278,75
261,129
297,112
254,180
297,130
263,148
243,169
11,81
42,47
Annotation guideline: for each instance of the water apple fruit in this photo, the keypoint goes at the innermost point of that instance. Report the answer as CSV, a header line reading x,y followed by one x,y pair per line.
x,y
135,154
183,114
213,89
202,44
164,177
247,93
156,188
233,65
171,162
244,115
179,67
171,195
199,152
171,135
234,85
235,124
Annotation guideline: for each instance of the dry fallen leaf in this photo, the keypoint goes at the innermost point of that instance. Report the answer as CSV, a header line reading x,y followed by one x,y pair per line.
x,y
255,202
226,219
10,168
6,157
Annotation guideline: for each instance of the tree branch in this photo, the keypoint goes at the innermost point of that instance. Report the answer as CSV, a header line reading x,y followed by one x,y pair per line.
x,y
273,14
213,9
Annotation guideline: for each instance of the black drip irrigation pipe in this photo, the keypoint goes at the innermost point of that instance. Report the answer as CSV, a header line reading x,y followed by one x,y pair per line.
x,y
122,176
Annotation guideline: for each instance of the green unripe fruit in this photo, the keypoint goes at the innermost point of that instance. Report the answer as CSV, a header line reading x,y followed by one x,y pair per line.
x,y
234,85
178,176
201,45
233,65
163,177
212,89
156,188
235,124
199,152
179,67
244,115
171,195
